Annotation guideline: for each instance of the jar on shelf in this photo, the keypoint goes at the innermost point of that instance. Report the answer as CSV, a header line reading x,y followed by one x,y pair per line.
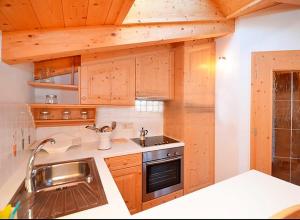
x,y
44,115
84,115
51,99
66,115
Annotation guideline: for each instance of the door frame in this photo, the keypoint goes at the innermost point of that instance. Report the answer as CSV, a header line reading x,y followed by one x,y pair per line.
x,y
264,64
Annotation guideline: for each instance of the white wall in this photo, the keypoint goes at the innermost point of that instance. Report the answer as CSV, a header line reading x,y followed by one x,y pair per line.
x,y
273,29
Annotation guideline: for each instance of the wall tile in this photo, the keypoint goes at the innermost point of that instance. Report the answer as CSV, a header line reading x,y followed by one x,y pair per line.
x,y
296,114
296,144
296,86
282,142
282,111
281,168
282,86
295,171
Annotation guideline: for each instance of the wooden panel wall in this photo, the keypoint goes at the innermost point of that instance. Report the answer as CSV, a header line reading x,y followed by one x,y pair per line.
x,y
263,66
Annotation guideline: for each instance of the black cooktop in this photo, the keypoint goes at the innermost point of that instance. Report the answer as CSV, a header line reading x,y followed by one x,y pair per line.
x,y
154,141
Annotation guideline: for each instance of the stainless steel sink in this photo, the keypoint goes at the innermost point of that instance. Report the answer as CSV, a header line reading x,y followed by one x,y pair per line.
x,y
50,177
61,189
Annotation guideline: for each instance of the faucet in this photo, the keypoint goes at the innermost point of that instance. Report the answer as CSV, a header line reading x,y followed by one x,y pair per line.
x,y
28,181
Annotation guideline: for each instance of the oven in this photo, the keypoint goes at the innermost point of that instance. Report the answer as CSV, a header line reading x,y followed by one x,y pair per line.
x,y
162,172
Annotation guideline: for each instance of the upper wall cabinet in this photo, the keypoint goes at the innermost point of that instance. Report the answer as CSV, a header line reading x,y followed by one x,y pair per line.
x,y
155,76
110,82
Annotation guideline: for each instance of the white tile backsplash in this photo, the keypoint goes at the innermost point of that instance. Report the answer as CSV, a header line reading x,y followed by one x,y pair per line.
x,y
129,122
15,120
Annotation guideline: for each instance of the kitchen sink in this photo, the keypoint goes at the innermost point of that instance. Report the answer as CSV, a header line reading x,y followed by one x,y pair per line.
x,y
61,189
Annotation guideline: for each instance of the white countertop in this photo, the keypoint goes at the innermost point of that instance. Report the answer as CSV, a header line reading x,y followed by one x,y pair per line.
x,y
250,195
115,208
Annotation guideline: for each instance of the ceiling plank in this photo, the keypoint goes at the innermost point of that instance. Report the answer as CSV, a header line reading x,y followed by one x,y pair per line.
x,y
145,11
230,6
4,23
292,2
124,11
28,46
75,12
20,14
97,11
49,13
113,12
253,6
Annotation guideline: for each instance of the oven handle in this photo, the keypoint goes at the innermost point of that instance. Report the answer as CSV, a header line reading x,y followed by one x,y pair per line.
x,y
164,160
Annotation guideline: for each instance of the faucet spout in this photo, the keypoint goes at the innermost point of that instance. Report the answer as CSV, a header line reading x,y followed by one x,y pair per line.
x,y
28,181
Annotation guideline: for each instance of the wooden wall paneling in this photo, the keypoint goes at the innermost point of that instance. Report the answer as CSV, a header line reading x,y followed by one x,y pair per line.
x,y
263,66
98,11
75,12
28,46
145,11
20,14
123,82
49,13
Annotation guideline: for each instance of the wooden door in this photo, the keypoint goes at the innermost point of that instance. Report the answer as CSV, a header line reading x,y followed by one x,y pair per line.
x,y
123,82
129,182
199,149
155,75
95,83
264,64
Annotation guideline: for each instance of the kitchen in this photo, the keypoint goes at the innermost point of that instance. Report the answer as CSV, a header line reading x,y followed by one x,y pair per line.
x,y
175,83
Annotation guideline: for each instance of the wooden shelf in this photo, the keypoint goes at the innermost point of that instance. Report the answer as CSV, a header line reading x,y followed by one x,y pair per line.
x,y
56,114
61,122
53,86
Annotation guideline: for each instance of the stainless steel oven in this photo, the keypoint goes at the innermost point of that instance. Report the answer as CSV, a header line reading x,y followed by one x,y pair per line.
x,y
162,172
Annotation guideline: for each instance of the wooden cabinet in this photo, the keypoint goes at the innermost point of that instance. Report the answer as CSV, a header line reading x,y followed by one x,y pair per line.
x,y
110,82
129,182
127,173
190,116
155,76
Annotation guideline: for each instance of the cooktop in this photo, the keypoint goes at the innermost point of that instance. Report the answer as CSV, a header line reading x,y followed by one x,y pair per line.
x,y
154,141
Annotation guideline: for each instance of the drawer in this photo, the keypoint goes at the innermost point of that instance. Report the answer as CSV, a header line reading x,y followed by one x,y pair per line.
x,y
121,162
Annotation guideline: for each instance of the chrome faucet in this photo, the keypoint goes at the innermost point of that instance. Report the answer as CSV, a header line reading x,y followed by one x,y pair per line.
x,y
28,181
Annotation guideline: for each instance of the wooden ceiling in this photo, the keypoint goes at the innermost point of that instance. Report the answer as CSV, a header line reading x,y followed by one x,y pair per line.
x,y
36,14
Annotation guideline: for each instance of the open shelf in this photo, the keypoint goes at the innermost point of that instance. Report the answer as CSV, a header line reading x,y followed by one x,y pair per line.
x,y
56,114
53,86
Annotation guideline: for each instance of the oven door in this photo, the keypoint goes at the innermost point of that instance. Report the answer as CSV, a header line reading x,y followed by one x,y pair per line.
x,y
162,177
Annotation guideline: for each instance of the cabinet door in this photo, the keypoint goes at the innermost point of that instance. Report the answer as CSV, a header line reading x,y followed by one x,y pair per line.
x,y
154,75
129,182
199,150
123,82
199,75
95,84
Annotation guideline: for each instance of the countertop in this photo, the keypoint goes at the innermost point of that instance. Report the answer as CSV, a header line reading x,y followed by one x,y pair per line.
x,y
115,208
249,195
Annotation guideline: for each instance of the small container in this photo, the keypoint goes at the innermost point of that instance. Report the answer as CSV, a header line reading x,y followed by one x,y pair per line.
x,y
84,115
66,115
44,115
51,99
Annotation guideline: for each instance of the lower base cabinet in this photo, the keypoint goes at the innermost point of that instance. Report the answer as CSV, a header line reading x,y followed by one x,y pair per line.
x,y
129,182
127,173
162,200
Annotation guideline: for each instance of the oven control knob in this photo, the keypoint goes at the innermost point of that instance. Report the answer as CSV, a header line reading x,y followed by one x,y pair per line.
x,y
168,155
177,154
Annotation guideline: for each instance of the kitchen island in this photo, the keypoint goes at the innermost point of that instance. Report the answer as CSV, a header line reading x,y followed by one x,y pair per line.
x,y
249,195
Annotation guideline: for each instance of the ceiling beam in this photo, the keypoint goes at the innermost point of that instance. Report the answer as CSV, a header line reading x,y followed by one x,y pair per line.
x,y
35,45
292,2
251,7
163,11
124,11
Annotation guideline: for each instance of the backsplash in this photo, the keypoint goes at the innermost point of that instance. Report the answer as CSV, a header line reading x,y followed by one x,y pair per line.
x,y
129,122
16,127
